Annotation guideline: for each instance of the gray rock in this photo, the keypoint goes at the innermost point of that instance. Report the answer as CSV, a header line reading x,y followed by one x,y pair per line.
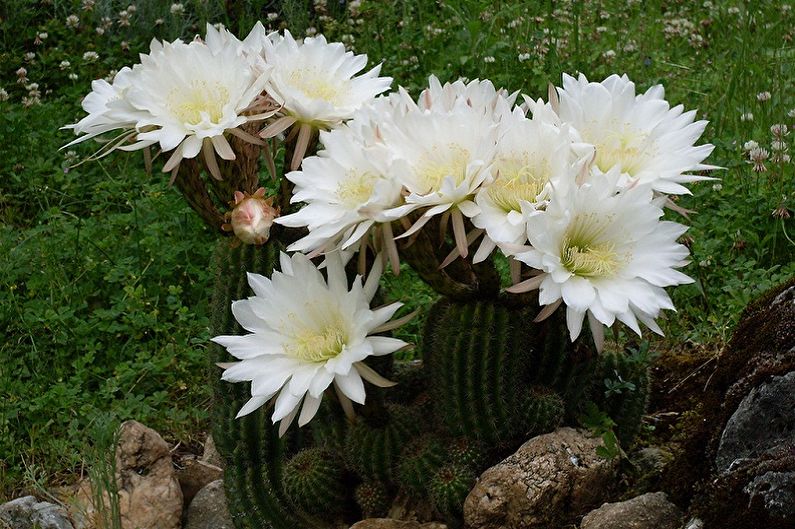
x,y
776,491
208,509
193,475
149,493
649,511
764,420
549,480
211,455
694,523
29,513
391,523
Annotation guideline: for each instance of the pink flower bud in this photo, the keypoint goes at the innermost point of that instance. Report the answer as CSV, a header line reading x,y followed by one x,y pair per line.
x,y
252,217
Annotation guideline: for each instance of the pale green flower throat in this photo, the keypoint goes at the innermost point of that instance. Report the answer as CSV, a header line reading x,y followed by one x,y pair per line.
x,y
314,346
583,254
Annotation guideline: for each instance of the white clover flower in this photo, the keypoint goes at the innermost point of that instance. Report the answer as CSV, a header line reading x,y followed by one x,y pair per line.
x,y
91,56
763,96
750,145
533,157
315,81
3,94
604,252
747,116
649,141
72,76
184,97
305,334
177,9
65,65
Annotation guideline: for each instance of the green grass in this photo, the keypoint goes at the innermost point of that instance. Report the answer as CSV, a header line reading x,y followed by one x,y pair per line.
x,y
104,280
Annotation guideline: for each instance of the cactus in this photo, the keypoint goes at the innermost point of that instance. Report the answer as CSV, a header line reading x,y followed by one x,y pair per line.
x,y
373,498
465,452
372,447
420,458
250,445
449,488
314,482
543,411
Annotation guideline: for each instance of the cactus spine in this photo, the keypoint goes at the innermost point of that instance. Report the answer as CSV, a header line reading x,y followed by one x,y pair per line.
x,y
314,481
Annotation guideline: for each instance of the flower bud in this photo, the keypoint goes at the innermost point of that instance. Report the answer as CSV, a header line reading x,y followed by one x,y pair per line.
x,y
252,217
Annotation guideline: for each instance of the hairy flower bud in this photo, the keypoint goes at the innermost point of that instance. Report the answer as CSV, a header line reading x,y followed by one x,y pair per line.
x,y
252,217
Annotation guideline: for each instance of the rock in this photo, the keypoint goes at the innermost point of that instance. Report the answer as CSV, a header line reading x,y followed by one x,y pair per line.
x,y
764,419
149,493
694,523
208,509
211,455
29,513
649,511
775,491
549,480
194,474
391,523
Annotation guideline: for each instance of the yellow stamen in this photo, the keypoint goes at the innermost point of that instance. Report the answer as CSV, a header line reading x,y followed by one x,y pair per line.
x,y
315,85
435,166
356,189
201,97
314,346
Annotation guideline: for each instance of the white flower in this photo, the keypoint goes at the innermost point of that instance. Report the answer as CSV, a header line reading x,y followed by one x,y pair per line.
x,y
604,251
475,94
184,97
346,189
316,81
442,158
533,156
650,142
91,56
307,333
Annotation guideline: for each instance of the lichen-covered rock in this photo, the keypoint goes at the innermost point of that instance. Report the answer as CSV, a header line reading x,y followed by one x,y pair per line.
x,y
391,523
775,491
29,513
208,509
149,493
648,511
549,480
764,419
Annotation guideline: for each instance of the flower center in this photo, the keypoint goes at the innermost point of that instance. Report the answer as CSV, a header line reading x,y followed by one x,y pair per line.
x,y
585,253
315,85
314,346
356,189
517,182
435,166
629,148
200,100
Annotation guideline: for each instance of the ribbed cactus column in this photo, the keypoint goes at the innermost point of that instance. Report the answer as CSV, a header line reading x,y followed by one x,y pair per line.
x,y
250,445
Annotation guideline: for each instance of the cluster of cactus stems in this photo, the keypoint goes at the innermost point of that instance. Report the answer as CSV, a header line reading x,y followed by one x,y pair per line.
x,y
489,378
488,381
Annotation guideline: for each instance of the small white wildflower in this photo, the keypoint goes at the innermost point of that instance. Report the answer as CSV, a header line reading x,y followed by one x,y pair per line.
x,y
758,157
131,8
72,76
159,22
524,57
763,96
3,95
609,54
100,30
489,59
177,9
704,263
272,16
28,102
750,145
29,56
717,187
601,29
778,145
630,46
64,65
87,5
43,35
779,130
72,21
311,31
124,19
734,10
747,116
90,56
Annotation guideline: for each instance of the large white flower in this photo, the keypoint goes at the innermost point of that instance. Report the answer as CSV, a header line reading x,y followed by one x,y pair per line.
x,y
305,334
604,251
346,189
316,81
477,94
534,156
442,158
650,141
183,96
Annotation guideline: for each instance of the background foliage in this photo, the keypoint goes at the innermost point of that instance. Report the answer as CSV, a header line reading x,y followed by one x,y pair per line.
x,y
104,279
